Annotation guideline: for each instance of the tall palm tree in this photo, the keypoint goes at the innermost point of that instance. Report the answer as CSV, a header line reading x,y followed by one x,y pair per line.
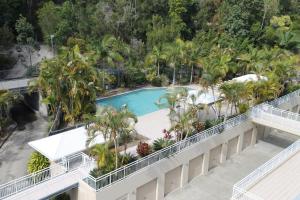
x,y
155,57
112,123
193,57
175,55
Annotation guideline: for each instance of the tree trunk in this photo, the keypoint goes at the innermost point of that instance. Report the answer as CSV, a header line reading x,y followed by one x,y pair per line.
x,y
174,72
192,72
158,74
116,151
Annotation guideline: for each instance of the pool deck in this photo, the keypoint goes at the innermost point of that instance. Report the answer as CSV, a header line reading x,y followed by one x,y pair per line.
x,y
152,124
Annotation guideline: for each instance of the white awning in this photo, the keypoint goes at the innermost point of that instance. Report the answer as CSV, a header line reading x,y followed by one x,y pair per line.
x,y
64,144
202,98
249,77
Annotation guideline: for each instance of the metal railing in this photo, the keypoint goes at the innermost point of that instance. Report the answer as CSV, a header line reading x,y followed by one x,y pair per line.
x,y
240,189
265,108
127,170
286,98
64,166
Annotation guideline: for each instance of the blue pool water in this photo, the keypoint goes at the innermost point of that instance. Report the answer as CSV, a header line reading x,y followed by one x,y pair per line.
x,y
140,102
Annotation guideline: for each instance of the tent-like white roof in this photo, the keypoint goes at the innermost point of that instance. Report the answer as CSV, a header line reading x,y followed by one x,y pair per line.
x,y
64,144
202,98
249,77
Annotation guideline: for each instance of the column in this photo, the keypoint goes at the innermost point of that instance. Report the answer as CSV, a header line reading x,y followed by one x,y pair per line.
x,y
240,143
205,163
224,152
254,136
160,188
184,174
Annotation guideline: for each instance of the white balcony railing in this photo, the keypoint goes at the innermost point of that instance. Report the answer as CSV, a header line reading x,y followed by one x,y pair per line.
x,y
240,189
127,170
64,166
286,98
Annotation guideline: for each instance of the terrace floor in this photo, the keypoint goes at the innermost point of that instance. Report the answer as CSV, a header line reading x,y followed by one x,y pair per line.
x,y
217,185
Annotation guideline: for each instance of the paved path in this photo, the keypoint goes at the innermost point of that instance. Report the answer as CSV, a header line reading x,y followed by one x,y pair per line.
x,y
217,185
15,152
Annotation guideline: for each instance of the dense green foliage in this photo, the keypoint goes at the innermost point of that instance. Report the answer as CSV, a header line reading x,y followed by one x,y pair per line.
x,y
37,162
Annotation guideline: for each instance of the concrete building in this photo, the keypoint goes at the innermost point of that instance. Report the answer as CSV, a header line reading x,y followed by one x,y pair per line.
x,y
231,150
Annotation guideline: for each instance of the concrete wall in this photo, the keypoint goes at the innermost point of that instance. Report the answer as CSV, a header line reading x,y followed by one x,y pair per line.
x,y
147,191
195,167
155,181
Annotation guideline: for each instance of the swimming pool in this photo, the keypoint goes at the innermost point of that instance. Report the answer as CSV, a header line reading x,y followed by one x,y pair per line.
x,y
140,102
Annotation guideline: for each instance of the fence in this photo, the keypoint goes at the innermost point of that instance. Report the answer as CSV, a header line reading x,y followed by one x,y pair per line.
x,y
240,189
286,98
64,166
127,170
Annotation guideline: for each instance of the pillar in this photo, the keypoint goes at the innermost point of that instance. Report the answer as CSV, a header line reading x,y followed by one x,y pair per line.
x,y
160,188
184,174
224,152
240,143
254,136
205,163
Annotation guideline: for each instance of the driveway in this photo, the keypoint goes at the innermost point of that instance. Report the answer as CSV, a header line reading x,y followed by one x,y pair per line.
x,y
15,152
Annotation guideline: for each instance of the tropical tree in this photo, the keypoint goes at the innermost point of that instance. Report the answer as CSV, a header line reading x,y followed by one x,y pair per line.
x,y
103,156
234,93
37,162
69,84
110,53
155,57
193,57
112,123
175,55
215,68
25,35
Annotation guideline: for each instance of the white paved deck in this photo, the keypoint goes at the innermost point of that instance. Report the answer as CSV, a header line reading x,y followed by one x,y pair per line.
x,y
283,183
152,124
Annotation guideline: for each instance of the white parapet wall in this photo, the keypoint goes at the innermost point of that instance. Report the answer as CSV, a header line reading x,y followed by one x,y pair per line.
x,y
159,179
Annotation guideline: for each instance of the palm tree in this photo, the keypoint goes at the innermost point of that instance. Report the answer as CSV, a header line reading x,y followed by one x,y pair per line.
x,y
215,67
175,55
103,155
234,93
112,123
155,57
69,84
193,59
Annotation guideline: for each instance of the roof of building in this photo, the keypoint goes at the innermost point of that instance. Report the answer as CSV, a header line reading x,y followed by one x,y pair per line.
x,y
66,143
249,77
202,98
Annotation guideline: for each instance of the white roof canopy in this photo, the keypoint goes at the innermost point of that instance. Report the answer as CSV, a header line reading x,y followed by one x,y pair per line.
x,y
249,77
202,98
67,143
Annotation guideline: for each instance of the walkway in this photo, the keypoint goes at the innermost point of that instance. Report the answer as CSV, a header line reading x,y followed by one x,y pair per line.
x,y
15,152
15,84
281,183
217,185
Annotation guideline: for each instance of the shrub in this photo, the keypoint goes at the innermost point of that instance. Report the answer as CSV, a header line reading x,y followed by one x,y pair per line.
x,y
243,108
37,162
199,126
161,143
127,158
212,122
143,149
159,81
